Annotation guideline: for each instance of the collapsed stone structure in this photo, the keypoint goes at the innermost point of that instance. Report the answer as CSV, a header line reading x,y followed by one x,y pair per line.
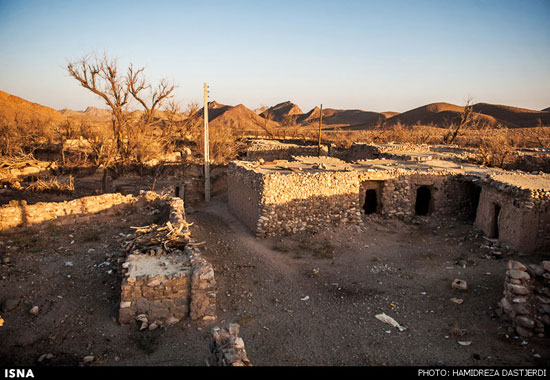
x,y
281,196
165,277
526,300
227,348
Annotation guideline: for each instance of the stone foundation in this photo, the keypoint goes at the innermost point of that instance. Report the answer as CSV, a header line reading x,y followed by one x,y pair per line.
x,y
526,300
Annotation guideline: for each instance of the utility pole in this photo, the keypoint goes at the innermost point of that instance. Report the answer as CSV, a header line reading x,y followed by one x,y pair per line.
x,y
320,125
206,148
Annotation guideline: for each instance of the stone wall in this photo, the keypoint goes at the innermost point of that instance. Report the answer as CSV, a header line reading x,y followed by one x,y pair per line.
x,y
227,348
274,150
166,278
286,197
19,213
526,300
292,202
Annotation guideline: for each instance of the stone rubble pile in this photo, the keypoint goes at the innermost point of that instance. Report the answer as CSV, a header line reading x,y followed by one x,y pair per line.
x,y
526,300
227,348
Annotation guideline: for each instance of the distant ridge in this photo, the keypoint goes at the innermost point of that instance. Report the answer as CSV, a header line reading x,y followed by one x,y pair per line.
x,y
513,116
13,107
239,117
441,114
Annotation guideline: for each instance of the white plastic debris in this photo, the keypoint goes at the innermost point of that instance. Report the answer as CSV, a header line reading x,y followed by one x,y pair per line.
x,y
305,298
464,343
389,320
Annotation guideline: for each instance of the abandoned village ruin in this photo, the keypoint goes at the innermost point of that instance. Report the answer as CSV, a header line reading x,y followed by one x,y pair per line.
x,y
292,193
281,196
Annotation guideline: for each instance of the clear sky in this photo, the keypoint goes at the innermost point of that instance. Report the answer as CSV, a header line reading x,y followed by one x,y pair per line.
x,y
371,55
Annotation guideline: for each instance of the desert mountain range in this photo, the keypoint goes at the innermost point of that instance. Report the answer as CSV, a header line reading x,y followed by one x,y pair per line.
x,y
287,113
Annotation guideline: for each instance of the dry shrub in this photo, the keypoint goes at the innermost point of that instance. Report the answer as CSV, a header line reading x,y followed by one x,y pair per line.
x,y
51,184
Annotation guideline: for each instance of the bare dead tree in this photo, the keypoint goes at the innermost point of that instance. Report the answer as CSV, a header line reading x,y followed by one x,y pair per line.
x,y
137,85
101,76
466,120
134,139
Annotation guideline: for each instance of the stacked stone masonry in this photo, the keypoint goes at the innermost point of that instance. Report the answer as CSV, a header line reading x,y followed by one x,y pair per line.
x,y
283,197
166,279
227,348
526,300
20,214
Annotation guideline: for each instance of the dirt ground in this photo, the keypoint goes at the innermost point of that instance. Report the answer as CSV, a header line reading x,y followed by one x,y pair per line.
x,y
305,299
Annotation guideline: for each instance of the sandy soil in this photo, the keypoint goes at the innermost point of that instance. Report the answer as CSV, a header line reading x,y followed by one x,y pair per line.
x,y
306,299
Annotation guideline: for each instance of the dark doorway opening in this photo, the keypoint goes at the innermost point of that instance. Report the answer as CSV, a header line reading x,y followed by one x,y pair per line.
x,y
423,200
473,194
495,227
177,192
371,202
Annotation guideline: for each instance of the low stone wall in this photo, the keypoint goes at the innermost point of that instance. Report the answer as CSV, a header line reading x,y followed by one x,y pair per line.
x,y
227,348
526,300
20,214
274,150
165,277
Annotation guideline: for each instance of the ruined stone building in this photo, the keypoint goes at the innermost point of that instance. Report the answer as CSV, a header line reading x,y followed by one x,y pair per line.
x,y
286,196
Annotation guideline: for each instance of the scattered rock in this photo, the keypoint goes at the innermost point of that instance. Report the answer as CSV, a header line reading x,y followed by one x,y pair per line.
x,y
172,321
9,305
88,359
34,310
459,285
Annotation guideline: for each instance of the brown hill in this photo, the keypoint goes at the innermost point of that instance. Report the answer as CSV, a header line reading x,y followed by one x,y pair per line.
x,y
346,118
351,117
235,117
437,114
15,108
512,116
282,111
309,116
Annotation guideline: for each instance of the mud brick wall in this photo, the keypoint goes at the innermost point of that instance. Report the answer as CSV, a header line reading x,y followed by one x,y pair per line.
x,y
227,348
524,220
292,202
19,214
526,300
